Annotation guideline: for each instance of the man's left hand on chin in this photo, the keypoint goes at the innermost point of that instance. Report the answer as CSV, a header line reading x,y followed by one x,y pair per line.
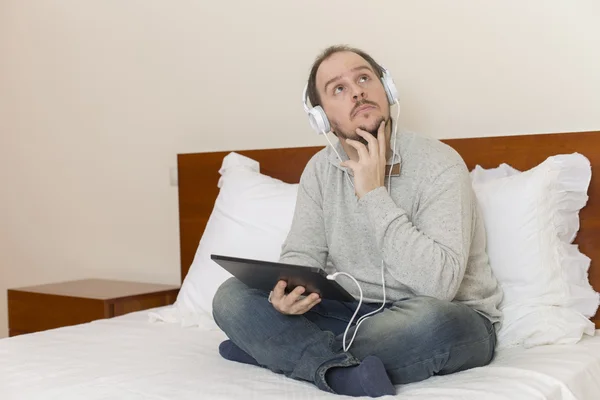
x,y
369,170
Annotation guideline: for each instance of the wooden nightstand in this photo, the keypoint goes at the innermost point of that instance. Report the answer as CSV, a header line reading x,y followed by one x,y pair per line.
x,y
38,308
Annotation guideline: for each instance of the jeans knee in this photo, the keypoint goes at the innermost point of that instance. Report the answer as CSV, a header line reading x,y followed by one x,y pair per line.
x,y
227,300
447,319
433,309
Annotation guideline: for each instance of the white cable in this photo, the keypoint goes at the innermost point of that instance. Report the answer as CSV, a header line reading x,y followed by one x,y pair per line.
x,y
333,276
364,317
361,319
395,123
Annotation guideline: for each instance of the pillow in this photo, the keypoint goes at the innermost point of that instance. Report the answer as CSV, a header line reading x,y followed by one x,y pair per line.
x,y
531,219
251,218
481,175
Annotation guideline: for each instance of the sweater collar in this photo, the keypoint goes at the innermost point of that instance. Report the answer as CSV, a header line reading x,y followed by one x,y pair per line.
x,y
333,158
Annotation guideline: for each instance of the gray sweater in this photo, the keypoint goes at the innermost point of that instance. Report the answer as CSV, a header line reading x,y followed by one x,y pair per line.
x,y
428,231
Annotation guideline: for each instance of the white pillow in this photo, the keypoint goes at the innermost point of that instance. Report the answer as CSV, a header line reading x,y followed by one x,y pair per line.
x,y
251,219
481,175
531,220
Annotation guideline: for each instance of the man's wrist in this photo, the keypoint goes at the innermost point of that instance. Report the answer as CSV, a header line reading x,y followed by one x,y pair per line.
x,y
379,207
371,193
360,196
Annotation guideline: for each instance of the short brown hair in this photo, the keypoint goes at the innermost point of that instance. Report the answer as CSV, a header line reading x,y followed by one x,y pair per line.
x,y
313,94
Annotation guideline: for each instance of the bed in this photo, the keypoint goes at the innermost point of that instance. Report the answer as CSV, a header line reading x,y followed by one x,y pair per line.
x,y
143,356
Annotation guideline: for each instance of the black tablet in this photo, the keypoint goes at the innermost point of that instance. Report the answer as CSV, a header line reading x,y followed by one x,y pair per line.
x,y
264,275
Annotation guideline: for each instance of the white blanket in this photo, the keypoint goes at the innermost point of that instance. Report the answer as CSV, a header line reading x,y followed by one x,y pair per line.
x,y
131,357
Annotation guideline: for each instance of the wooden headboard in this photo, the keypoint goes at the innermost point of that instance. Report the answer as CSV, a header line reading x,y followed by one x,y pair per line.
x,y
198,176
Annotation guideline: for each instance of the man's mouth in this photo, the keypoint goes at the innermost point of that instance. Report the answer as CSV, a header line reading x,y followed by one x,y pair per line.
x,y
362,108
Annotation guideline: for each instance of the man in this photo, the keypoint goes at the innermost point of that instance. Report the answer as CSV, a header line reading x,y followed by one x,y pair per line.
x,y
441,296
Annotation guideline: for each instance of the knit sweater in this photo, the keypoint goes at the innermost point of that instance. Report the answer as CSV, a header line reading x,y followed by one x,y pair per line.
x,y
427,230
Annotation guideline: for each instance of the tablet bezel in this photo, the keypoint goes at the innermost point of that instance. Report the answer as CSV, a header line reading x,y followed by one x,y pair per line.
x,y
264,275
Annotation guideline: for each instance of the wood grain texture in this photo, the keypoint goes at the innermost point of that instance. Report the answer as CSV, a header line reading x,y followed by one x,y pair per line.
x,y
103,289
131,304
43,307
198,177
33,312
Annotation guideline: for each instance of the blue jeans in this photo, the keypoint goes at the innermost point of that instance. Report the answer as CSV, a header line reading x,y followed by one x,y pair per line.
x,y
415,338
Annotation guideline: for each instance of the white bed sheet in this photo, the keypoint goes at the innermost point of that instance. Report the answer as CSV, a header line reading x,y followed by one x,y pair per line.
x,y
131,357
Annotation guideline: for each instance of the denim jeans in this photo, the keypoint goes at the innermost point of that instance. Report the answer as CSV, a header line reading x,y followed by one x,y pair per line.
x,y
415,338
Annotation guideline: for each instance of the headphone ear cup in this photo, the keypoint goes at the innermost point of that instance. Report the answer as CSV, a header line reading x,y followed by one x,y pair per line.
x,y
318,120
390,87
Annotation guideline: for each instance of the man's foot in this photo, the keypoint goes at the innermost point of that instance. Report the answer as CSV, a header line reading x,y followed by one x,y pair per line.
x,y
232,352
369,378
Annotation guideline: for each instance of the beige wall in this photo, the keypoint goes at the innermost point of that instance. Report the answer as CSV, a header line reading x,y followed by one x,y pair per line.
x,y
98,97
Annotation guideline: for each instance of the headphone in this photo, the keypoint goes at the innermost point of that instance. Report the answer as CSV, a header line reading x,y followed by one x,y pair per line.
x,y
317,117
319,122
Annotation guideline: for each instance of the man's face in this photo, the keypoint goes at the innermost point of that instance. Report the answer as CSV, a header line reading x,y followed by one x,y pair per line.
x,y
352,95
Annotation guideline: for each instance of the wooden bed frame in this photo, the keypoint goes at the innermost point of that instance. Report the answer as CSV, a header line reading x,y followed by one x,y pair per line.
x,y
198,176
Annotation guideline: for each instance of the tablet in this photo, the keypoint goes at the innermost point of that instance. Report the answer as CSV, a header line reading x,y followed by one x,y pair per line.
x,y
264,275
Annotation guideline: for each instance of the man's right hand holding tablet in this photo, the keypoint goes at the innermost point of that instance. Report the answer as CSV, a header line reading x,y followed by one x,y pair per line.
x,y
292,303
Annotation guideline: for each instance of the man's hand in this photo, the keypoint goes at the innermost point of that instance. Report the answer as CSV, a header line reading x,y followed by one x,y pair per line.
x,y
369,171
291,304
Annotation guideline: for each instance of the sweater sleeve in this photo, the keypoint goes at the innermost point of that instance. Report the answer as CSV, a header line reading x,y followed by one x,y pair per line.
x,y
428,254
306,242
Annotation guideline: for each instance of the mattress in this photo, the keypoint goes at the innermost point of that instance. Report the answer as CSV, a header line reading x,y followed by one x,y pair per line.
x,y
136,357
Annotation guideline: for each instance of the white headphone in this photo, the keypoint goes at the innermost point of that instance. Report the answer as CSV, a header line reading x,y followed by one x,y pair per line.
x,y
319,122
317,117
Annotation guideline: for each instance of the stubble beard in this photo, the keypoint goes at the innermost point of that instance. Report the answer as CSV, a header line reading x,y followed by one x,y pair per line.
x,y
373,130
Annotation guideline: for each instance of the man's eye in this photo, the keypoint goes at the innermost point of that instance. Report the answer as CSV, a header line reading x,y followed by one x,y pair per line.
x,y
363,78
338,89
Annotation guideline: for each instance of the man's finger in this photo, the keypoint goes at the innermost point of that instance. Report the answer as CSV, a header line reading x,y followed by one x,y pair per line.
x,y
293,296
312,304
361,149
304,309
278,292
306,304
349,164
371,141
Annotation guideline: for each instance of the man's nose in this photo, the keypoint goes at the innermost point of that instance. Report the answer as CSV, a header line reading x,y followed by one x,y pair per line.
x,y
358,93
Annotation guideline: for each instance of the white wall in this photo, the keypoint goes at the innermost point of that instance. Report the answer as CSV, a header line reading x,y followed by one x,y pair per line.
x,y
98,97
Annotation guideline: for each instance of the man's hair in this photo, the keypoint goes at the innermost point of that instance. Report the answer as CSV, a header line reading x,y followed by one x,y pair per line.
x,y
313,94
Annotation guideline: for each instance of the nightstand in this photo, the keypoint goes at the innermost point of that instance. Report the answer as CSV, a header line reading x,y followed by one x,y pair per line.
x,y
38,308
